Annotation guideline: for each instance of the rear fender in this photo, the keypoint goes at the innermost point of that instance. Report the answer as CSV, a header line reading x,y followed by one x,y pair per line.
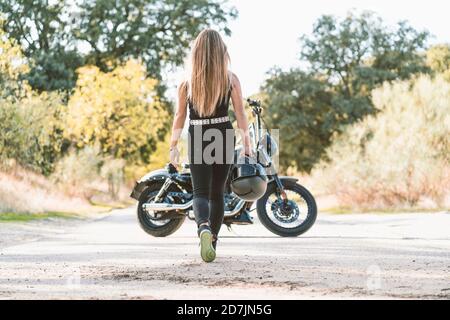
x,y
142,183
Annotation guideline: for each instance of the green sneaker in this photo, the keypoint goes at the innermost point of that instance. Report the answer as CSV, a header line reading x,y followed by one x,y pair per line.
x,y
207,250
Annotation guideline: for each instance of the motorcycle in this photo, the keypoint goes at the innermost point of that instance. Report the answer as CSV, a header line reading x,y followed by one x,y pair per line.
x,y
286,209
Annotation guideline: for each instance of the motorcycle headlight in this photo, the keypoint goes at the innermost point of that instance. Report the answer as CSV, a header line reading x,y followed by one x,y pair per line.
x,y
269,144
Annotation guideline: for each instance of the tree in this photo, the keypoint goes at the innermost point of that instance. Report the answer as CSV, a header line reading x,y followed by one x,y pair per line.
x,y
119,110
301,107
42,29
109,32
359,52
37,25
344,61
12,66
159,32
54,70
30,123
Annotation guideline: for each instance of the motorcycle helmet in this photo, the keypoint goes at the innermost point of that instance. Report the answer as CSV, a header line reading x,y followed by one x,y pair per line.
x,y
248,179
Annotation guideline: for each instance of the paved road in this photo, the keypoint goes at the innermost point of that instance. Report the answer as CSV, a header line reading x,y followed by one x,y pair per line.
x,y
344,256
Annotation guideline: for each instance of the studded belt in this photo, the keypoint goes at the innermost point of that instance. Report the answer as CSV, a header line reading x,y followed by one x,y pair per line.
x,y
209,121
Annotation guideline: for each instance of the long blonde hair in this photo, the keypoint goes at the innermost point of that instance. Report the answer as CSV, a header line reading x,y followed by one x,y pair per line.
x,y
208,77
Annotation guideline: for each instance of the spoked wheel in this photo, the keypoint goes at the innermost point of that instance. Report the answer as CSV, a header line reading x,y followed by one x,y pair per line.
x,y
151,222
289,218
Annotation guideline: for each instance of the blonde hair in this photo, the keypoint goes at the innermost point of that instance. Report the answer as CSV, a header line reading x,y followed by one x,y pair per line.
x,y
208,77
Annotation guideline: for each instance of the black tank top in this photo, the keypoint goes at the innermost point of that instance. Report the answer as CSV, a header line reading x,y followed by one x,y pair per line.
x,y
220,111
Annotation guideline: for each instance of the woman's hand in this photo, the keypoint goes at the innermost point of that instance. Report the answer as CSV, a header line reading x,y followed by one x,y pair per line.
x,y
247,150
174,156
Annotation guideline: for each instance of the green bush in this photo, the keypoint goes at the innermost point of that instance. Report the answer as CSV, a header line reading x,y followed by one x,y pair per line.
x,y
112,171
399,156
84,172
77,170
31,131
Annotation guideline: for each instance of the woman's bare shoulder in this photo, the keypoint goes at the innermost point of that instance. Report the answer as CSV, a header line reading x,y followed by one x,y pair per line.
x,y
183,84
182,87
234,79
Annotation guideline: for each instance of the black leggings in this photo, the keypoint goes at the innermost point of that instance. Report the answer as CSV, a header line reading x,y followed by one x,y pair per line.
x,y
208,179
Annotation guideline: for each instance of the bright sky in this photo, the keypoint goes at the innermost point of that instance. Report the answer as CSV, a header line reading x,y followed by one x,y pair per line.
x,y
266,32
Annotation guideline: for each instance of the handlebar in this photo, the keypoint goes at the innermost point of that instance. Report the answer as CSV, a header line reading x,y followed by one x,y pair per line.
x,y
256,106
254,103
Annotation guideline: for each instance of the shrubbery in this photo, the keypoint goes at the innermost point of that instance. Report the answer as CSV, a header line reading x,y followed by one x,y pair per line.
x,y
398,157
32,131
113,124
88,144
30,123
89,168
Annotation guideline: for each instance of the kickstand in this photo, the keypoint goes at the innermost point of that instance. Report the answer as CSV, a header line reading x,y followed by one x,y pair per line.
x,y
232,230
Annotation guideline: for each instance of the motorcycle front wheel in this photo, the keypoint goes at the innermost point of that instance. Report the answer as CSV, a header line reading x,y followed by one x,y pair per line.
x,y
147,221
289,218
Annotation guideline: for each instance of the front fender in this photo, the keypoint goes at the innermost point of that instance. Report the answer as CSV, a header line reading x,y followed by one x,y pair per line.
x,y
142,183
283,178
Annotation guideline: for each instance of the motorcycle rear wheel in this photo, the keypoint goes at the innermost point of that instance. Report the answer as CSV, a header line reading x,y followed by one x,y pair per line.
x,y
156,228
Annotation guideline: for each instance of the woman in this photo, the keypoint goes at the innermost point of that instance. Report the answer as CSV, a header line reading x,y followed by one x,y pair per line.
x,y
207,92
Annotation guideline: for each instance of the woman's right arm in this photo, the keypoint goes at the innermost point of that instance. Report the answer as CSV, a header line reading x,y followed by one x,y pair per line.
x,y
178,122
241,117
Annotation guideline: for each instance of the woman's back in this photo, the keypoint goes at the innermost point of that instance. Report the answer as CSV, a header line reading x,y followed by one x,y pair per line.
x,y
221,109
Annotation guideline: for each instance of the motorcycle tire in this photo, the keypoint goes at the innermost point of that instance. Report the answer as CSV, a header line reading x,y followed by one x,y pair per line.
x,y
288,232
147,224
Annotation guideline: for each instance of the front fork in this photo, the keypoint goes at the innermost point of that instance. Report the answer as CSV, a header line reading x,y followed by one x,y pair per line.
x,y
280,188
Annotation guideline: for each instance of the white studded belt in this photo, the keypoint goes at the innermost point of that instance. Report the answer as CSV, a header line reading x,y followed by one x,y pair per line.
x,y
209,121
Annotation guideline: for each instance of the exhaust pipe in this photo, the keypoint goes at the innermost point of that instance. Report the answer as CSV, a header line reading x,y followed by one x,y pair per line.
x,y
162,206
